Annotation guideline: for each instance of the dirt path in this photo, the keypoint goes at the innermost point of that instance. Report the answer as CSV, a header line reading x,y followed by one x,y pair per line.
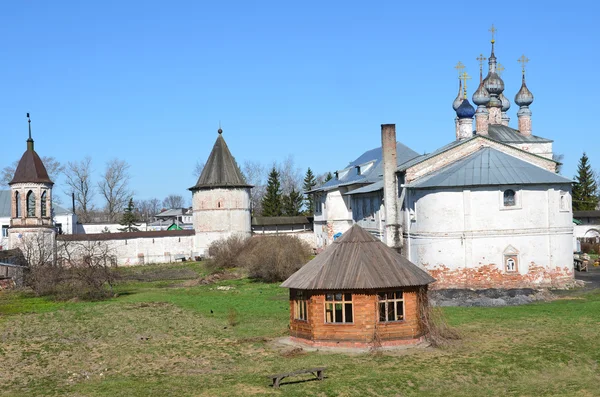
x,y
591,277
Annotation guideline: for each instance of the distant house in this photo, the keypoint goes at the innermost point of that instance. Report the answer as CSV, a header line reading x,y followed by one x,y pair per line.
x,y
587,225
357,292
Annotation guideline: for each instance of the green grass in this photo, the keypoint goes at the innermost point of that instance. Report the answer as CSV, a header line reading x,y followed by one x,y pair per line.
x,y
158,337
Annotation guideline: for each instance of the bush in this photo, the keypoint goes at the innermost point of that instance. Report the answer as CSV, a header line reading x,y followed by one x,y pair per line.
x,y
274,258
590,248
225,253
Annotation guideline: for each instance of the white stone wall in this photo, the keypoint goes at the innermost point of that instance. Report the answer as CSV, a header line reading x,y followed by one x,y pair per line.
x,y
541,149
93,228
145,250
220,213
586,231
457,229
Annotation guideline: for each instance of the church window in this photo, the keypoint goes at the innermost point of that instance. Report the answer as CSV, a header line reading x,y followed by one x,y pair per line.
x,y
358,170
391,306
43,204
509,198
4,230
338,308
30,204
564,201
17,205
220,203
510,263
300,306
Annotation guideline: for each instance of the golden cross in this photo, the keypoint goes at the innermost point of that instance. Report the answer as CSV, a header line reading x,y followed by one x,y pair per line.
x,y
493,30
459,68
464,77
481,58
523,60
500,69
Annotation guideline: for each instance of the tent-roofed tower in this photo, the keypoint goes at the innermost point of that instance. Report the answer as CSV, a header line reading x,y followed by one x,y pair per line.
x,y
220,199
31,202
357,292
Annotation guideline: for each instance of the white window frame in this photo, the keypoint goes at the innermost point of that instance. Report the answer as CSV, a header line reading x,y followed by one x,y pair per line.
x,y
564,204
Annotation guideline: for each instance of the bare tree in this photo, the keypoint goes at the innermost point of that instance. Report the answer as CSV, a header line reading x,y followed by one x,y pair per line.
x,y
79,181
114,188
255,174
290,176
53,167
146,209
558,157
198,169
174,201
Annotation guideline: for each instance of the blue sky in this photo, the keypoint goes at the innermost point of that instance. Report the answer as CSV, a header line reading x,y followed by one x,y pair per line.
x,y
149,81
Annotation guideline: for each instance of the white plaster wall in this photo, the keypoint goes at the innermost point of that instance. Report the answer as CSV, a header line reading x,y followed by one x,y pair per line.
x,y
93,228
541,149
457,228
586,231
144,250
219,213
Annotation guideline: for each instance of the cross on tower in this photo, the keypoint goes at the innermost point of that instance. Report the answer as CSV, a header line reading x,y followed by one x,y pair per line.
x,y
459,68
500,69
464,77
493,30
523,60
481,58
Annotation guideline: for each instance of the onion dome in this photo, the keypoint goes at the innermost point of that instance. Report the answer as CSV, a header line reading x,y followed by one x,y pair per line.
x,y
465,110
505,103
524,97
459,97
481,96
493,83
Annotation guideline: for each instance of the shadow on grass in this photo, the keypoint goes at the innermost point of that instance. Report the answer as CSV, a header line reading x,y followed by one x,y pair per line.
x,y
291,382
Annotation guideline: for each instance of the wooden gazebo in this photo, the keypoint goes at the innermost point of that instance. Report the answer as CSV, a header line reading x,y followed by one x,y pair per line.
x,y
357,292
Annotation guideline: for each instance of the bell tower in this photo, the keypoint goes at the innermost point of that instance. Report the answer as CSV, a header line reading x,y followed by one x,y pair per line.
x,y
31,227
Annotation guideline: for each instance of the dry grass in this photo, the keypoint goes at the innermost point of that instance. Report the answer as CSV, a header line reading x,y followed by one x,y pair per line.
x,y
179,342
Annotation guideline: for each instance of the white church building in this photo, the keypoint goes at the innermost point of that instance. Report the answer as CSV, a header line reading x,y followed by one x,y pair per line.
x,y
487,210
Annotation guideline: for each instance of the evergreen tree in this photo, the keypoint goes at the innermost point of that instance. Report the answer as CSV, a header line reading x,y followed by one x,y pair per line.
x,y
271,202
309,183
129,219
585,189
292,203
328,177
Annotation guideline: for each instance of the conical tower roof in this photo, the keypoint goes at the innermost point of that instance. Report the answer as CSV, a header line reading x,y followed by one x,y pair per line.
x,y
30,169
221,169
358,260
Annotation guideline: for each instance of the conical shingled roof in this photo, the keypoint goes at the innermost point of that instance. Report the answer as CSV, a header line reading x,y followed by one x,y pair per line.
x,y
221,169
31,169
358,260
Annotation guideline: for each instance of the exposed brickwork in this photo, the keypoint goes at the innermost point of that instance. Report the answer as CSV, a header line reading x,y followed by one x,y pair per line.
x,y
489,276
364,330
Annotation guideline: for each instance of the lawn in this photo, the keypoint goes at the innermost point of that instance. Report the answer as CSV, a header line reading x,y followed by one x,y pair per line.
x,y
164,336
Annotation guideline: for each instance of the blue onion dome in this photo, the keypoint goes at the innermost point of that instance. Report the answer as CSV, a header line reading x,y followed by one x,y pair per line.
x,y
505,103
524,97
459,98
465,110
481,96
493,83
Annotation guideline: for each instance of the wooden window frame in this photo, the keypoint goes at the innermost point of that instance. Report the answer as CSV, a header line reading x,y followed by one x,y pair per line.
x,y
345,299
300,306
386,300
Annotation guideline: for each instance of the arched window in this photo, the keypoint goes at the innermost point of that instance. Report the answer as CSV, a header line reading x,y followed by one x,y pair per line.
x,y
17,205
31,204
43,204
509,198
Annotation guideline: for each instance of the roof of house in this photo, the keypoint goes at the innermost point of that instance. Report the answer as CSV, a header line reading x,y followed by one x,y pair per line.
x,y
30,169
403,154
171,212
505,134
5,206
487,167
586,214
357,260
124,235
279,220
221,169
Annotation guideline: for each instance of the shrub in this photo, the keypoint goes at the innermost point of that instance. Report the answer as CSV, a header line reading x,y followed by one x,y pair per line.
x,y
225,253
274,258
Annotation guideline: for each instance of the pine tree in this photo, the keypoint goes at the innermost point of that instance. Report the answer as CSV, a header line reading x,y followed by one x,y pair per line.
x,y
292,203
585,189
328,177
271,202
309,183
129,219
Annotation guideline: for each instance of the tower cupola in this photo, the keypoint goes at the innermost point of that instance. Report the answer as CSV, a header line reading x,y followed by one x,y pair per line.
x,y
523,99
494,85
